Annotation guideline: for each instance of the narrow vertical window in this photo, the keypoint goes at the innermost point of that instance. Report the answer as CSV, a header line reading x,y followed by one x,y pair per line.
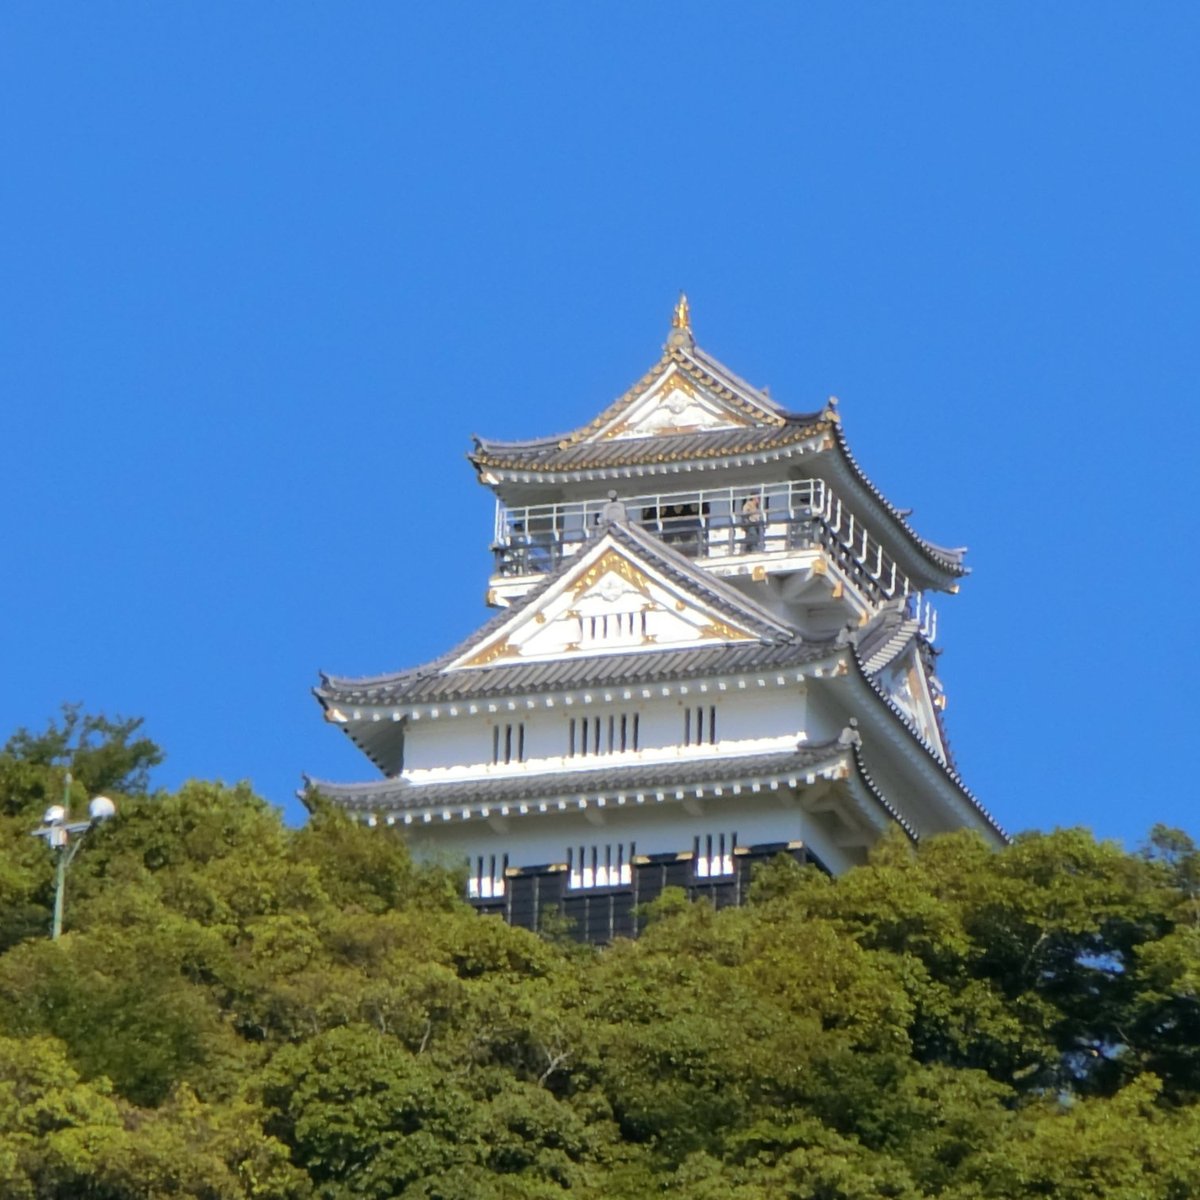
x,y
600,867
486,877
713,855
700,725
613,733
508,746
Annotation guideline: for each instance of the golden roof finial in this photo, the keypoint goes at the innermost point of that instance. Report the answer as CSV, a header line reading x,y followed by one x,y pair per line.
x,y
683,315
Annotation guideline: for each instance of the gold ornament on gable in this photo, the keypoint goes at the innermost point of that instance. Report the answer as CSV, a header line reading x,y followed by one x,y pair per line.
x,y
612,563
724,632
499,649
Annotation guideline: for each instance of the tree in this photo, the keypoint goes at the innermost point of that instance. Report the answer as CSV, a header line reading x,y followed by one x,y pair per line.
x,y
102,754
238,1009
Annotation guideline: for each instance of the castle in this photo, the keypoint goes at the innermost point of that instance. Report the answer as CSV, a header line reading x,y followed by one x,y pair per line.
x,y
713,644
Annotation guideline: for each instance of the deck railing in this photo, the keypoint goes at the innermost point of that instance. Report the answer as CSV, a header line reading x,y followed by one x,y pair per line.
x,y
713,524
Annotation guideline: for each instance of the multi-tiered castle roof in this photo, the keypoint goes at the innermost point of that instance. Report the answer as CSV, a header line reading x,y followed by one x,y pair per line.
x,y
710,625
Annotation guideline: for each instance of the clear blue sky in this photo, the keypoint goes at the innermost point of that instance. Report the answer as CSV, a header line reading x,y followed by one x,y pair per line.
x,y
265,268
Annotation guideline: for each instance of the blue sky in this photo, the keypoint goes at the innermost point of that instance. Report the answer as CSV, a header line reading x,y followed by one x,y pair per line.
x,y
267,267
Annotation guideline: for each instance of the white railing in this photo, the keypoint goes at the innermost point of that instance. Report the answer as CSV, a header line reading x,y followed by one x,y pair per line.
x,y
712,524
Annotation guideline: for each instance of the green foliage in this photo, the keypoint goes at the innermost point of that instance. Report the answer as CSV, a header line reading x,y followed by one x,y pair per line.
x,y
239,1009
103,755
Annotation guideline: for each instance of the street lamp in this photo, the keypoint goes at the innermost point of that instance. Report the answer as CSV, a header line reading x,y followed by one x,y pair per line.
x,y
64,837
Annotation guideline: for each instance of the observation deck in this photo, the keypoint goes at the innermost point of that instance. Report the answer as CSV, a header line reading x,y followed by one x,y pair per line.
x,y
798,525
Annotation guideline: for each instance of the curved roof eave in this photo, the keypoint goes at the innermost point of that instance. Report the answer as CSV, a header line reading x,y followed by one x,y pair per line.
x,y
393,795
946,769
949,559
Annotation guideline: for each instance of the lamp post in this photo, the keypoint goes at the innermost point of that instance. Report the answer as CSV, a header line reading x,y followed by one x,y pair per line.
x,y
64,837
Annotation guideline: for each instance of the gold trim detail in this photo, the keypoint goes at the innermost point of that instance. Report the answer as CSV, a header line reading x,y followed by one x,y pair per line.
x,y
675,380
820,566
540,617
501,649
759,573
682,317
611,563
727,633
678,381
672,357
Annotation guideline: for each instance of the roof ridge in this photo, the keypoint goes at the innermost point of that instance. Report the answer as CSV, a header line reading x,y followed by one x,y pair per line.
x,y
715,367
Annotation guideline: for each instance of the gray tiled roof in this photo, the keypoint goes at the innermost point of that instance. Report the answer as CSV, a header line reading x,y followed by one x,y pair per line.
x,y
885,638
606,780
563,674
553,457
695,363
432,680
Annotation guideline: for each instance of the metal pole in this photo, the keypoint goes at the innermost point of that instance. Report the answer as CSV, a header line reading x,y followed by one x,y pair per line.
x,y
60,883
60,866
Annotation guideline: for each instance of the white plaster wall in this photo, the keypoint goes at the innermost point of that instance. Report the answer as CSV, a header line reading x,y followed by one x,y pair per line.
x,y
747,719
825,717
654,828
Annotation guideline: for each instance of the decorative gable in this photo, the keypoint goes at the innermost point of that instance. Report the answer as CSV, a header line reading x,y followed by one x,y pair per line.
x,y
610,602
674,403
908,685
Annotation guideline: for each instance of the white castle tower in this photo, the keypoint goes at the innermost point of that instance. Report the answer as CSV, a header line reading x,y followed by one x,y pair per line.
x,y
713,644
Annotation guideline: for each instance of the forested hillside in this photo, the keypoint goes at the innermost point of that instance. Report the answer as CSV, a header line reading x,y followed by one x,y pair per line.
x,y
239,1009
